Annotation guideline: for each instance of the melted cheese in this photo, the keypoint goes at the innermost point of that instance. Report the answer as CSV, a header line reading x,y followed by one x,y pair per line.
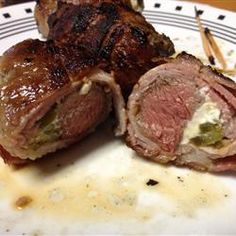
x,y
208,112
86,87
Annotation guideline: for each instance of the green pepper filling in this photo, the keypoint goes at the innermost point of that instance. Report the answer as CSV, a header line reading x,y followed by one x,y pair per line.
x,y
48,129
210,134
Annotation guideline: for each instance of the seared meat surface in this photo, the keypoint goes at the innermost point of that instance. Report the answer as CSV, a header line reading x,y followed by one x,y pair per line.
x,y
51,96
110,31
45,8
184,112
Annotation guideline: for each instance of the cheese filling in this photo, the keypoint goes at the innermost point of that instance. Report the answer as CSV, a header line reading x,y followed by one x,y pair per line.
x,y
48,129
208,113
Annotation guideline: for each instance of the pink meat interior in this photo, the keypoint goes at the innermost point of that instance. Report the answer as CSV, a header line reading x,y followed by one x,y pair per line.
x,y
164,111
80,113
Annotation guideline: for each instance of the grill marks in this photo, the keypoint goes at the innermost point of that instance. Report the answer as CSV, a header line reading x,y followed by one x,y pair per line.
x,y
81,20
140,35
109,42
85,25
112,33
76,60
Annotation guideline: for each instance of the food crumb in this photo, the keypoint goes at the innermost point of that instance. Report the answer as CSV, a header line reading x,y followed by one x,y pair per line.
x,y
230,52
180,179
226,195
152,182
203,200
23,202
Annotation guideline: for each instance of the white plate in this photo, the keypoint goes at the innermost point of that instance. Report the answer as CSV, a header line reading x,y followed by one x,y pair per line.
x,y
99,185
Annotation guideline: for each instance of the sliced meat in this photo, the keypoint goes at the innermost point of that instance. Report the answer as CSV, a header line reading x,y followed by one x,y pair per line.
x,y
112,32
50,100
184,112
83,110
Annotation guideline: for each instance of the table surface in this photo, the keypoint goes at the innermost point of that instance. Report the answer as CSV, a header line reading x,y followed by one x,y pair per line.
x,y
225,4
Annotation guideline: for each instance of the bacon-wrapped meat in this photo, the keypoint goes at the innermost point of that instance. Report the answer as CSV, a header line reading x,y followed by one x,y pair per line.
x,y
110,31
184,112
44,8
51,96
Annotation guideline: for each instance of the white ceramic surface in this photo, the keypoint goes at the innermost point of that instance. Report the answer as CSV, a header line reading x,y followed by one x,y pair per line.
x,y
98,186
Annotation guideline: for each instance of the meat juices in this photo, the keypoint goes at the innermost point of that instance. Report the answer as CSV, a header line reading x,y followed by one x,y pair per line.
x,y
119,37
184,112
50,99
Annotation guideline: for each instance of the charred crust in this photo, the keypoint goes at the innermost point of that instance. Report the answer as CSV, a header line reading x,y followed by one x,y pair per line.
x,y
58,72
104,26
103,29
32,47
110,12
161,43
108,46
51,48
186,56
108,9
139,35
211,60
122,61
127,7
28,59
82,18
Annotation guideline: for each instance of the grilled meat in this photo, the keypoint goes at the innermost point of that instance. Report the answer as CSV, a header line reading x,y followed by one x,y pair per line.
x,y
4,3
184,112
110,31
51,96
45,8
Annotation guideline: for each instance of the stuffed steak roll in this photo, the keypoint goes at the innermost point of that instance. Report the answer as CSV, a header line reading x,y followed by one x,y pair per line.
x,y
44,8
110,31
51,97
185,113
